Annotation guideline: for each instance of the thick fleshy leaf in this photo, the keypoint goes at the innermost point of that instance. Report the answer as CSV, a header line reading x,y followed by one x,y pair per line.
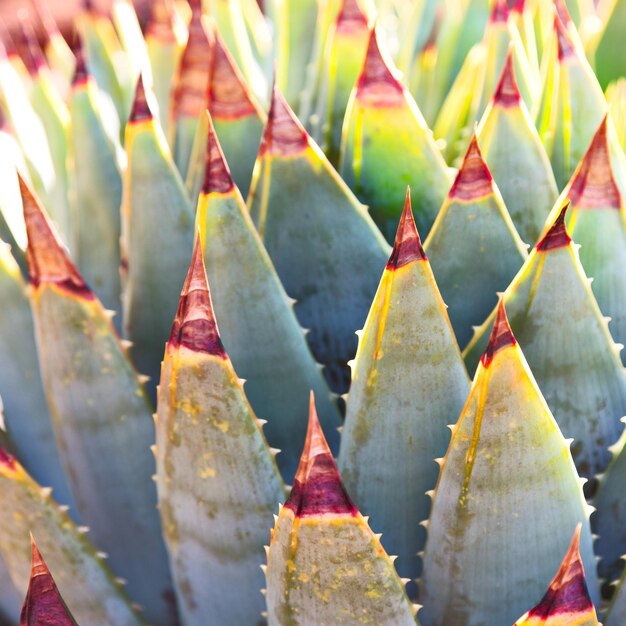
x,y
99,408
217,480
522,16
238,121
157,237
132,41
386,144
324,563
421,81
558,324
408,383
83,579
257,321
326,249
25,409
188,99
567,600
43,603
516,157
9,599
572,104
616,99
95,167
616,613
473,246
608,62
507,500
343,59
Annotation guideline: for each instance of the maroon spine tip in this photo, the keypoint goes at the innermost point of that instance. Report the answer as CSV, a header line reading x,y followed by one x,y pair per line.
x,y
557,236
317,488
43,603
407,246
500,12
351,16
229,96
474,179
32,54
566,46
195,327
7,460
568,591
81,73
376,78
48,261
141,109
501,336
217,177
507,93
593,185
519,6
161,24
284,135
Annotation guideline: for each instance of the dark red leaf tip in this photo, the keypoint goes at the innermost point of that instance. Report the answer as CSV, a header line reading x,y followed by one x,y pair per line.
x,y
507,93
43,604
50,27
317,489
163,18
351,15
567,592
557,236
376,81
564,40
284,135
519,6
48,261
593,185
195,327
407,246
217,176
141,109
81,72
474,179
32,54
7,460
501,336
229,96
563,12
500,12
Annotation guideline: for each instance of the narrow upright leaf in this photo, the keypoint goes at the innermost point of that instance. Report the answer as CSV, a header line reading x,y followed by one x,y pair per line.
x,y
473,246
567,600
408,382
386,145
616,99
324,563
99,412
516,157
43,603
257,321
616,613
218,483
558,324
325,247
507,500
157,237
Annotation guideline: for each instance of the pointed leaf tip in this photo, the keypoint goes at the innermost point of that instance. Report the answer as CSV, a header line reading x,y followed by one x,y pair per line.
x,y
32,54
407,246
557,236
565,43
217,176
351,12
43,603
81,72
519,6
474,179
317,488
48,261
563,12
568,592
376,74
501,336
500,11
195,327
141,109
284,134
507,92
593,184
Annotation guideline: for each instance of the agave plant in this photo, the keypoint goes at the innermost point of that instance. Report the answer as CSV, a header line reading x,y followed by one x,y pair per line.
x,y
337,343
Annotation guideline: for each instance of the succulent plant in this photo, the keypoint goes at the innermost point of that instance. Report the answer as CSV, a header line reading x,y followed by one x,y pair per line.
x,y
236,387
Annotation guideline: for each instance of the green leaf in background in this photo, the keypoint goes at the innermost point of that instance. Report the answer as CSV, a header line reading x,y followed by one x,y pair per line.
x,y
326,249
556,319
616,99
387,145
157,237
516,157
92,593
217,480
408,384
473,246
101,418
507,500
9,599
324,563
257,321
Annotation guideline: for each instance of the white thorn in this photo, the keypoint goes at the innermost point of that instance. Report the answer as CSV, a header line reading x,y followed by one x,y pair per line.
x,y
121,581
143,379
102,555
82,530
126,344
274,451
45,492
263,568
